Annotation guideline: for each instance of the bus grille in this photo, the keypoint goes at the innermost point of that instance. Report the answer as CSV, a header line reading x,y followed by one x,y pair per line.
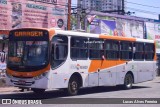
x,y
22,84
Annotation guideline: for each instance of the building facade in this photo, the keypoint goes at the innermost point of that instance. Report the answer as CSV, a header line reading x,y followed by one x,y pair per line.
x,y
102,5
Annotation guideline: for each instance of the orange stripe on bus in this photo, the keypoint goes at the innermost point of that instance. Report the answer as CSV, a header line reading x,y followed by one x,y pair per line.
x,y
95,65
111,63
117,38
103,64
27,74
51,33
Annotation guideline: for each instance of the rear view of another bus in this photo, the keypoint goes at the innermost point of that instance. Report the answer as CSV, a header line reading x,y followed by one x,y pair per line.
x,y
3,51
28,59
158,64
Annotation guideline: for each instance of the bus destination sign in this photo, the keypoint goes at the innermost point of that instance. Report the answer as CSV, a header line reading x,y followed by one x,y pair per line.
x,y
29,34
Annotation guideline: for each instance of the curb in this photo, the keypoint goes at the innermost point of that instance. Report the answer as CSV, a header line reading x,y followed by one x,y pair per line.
x,y
9,89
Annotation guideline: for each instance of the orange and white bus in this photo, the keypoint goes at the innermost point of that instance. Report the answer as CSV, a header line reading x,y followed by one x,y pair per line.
x,y
43,59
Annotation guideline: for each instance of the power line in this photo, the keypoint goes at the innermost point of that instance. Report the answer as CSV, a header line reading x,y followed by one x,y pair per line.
x,y
130,8
143,11
142,4
140,10
134,9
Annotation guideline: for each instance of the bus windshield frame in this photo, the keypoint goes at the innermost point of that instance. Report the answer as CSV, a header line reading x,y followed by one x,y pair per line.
x,y
27,53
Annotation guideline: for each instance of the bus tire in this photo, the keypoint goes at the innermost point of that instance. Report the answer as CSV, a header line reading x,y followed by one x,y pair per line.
x,y
128,81
38,91
73,86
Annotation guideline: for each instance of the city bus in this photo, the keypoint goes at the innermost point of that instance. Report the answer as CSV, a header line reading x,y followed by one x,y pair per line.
x,y
42,59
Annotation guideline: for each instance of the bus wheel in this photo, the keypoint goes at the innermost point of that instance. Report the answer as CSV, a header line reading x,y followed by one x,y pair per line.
x,y
73,86
128,81
38,91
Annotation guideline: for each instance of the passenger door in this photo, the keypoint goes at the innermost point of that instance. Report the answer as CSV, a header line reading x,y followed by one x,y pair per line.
x,y
94,72
107,75
96,51
79,57
146,71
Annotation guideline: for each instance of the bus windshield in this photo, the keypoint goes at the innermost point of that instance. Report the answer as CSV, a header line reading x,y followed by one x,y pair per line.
x,y
28,53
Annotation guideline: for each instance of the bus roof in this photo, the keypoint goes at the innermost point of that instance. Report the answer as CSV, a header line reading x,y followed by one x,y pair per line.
x,y
75,33
83,34
102,36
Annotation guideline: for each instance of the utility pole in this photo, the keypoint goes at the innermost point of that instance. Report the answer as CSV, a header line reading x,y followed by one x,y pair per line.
x,y
119,9
123,12
69,15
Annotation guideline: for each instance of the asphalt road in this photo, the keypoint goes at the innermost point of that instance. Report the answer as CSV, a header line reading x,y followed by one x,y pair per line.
x,y
150,89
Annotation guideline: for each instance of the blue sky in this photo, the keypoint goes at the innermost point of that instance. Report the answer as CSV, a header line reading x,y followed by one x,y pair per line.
x,y
153,12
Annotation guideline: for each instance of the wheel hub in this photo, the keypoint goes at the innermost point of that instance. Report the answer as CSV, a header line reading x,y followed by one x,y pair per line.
x,y
128,81
74,86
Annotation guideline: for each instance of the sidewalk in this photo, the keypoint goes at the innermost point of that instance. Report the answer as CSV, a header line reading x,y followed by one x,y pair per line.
x,y
9,89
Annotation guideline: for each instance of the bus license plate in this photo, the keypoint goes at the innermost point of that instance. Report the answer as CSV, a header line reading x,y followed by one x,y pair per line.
x,y
21,82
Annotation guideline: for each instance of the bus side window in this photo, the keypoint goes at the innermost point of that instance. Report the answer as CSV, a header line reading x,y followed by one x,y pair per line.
x,y
149,51
3,45
79,48
96,49
126,50
111,49
59,50
139,51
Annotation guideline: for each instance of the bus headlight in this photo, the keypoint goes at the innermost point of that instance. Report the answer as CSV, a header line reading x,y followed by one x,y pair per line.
x,y
40,76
